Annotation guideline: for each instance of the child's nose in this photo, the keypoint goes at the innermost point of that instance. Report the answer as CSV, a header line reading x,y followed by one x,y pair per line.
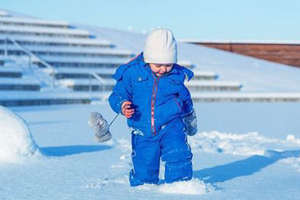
x,y
163,70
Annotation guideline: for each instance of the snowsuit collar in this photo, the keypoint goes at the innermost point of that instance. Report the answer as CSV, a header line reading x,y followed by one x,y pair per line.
x,y
139,60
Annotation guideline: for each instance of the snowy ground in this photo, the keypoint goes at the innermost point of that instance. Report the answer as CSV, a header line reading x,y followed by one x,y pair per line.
x,y
242,151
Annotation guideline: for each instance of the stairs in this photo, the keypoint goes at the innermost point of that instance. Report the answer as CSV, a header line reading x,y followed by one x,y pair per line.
x,y
45,62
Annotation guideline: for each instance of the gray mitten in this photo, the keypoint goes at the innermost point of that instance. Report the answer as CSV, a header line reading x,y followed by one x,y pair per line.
x,y
100,126
190,122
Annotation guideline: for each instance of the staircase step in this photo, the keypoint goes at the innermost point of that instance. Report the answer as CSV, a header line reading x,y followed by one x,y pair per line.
x,y
19,84
246,97
202,75
10,74
32,98
196,85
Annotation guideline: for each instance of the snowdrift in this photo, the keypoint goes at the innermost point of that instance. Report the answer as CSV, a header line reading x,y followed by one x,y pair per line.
x,y
16,141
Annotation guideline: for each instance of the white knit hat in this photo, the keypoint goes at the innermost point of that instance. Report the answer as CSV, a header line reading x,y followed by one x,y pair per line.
x,y
160,47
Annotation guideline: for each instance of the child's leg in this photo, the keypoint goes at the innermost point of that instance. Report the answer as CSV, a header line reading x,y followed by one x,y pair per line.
x,y
145,158
176,153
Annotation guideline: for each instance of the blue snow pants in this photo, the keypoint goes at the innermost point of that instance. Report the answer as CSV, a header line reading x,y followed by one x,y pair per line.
x,y
170,145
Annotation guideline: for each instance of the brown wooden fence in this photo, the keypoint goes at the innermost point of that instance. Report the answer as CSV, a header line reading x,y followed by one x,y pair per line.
x,y
288,54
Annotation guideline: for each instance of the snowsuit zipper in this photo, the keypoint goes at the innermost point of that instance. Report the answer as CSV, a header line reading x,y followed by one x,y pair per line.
x,y
153,99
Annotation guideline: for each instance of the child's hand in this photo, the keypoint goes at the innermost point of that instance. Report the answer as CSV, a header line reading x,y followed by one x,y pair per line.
x,y
127,110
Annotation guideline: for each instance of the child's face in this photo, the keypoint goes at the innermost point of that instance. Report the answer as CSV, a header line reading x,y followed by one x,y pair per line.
x,y
160,69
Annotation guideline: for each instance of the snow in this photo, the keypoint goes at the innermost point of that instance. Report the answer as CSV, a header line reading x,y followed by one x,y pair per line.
x,y
32,21
68,49
68,59
193,187
88,82
254,74
42,30
187,40
204,73
74,70
251,143
16,141
242,151
39,95
18,81
213,83
3,13
66,40
247,97
10,69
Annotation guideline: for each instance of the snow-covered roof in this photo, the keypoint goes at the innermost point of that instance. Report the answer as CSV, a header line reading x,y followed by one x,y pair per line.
x,y
10,69
122,39
185,63
7,95
204,73
100,60
50,40
70,49
72,82
256,75
22,20
43,30
3,13
18,81
213,83
245,96
77,70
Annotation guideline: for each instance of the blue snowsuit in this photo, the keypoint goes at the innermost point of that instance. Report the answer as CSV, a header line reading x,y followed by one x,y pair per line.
x,y
158,129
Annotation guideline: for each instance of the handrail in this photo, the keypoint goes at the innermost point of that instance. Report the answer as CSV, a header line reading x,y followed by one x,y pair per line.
x,y
51,69
99,78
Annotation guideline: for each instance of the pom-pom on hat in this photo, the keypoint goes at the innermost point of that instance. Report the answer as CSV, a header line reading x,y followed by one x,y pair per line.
x,y
160,47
